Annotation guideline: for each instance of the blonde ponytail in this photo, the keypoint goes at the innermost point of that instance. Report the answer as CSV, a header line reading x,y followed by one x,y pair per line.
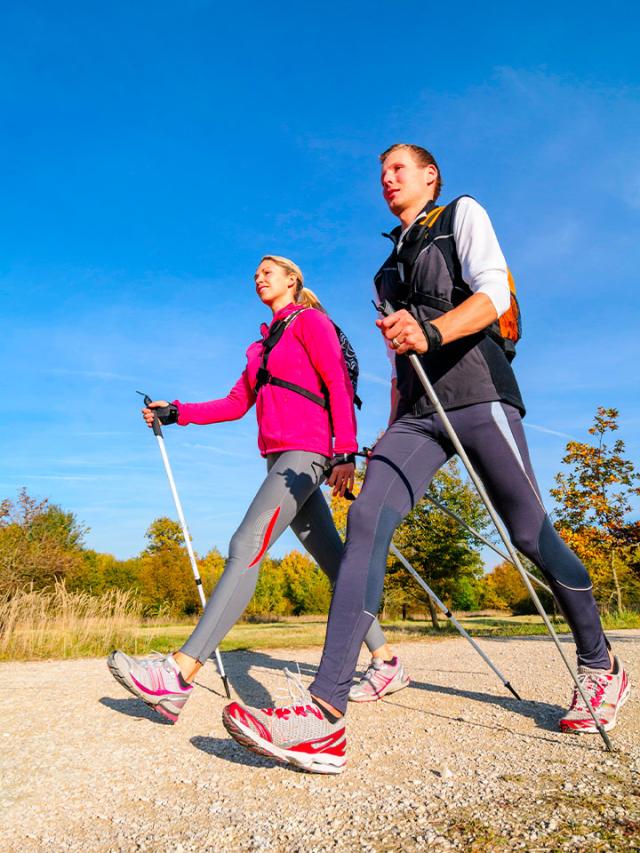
x,y
303,295
306,297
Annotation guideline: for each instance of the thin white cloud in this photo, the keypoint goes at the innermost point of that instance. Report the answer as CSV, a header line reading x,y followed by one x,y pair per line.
x,y
539,428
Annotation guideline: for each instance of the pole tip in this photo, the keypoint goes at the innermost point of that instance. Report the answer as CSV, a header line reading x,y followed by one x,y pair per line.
x,y
513,690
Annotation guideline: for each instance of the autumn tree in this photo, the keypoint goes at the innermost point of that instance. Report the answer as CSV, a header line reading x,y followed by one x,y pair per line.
x,y
594,501
165,577
306,587
503,589
211,568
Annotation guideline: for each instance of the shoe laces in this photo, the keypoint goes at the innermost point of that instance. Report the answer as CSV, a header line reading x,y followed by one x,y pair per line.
x,y
294,693
593,685
372,671
161,661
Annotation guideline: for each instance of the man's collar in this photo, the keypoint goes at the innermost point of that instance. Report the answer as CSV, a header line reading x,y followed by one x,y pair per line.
x,y
399,232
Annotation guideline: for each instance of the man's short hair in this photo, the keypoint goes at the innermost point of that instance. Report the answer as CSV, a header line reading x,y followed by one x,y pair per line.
x,y
422,158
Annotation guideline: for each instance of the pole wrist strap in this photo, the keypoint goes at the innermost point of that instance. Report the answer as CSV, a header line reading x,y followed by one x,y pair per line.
x,y
343,459
432,334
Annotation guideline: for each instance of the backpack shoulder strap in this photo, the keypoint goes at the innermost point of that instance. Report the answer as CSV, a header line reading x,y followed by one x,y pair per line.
x,y
276,332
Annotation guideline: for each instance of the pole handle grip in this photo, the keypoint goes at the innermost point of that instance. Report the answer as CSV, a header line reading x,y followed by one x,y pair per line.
x,y
385,308
157,429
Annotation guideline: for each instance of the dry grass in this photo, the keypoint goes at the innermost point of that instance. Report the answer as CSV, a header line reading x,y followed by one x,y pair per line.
x,y
57,623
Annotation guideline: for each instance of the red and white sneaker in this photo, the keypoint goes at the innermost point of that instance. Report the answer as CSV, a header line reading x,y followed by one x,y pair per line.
x,y
297,734
607,692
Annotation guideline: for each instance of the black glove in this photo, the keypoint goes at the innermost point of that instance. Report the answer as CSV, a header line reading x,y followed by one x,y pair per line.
x,y
342,459
167,414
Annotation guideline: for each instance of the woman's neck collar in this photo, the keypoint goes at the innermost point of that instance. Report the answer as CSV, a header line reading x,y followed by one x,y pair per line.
x,y
283,308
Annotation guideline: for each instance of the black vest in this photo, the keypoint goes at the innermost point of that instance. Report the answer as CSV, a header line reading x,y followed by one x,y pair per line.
x,y
470,370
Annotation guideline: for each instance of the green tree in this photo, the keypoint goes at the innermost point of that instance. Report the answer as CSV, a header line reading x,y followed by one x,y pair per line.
x,y
163,533
439,548
269,599
594,500
39,543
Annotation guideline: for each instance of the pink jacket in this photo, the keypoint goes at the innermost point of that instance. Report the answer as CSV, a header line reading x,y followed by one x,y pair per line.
x,y
307,354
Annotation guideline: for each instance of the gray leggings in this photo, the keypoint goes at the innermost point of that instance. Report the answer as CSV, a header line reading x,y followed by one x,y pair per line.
x,y
289,496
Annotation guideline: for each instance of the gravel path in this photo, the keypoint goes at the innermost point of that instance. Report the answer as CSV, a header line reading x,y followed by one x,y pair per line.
x,y
454,762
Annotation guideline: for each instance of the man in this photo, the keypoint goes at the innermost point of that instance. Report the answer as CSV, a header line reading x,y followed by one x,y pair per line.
x,y
448,271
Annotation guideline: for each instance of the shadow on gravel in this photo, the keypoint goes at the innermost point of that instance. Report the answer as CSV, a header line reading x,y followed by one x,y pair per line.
x,y
134,708
545,715
246,685
228,750
591,746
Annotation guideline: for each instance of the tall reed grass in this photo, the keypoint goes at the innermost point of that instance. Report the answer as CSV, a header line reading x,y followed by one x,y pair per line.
x,y
56,623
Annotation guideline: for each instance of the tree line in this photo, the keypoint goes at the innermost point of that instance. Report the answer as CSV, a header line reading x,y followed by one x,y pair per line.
x,y
41,543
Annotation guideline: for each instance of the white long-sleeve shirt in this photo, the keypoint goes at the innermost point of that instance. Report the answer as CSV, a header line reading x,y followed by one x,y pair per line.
x,y
483,265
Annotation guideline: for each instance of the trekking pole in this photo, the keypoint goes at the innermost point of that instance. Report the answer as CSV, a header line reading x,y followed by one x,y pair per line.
x,y
157,431
483,539
421,582
414,574
385,309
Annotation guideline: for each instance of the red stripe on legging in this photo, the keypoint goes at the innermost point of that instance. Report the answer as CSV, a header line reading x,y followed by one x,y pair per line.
x,y
267,536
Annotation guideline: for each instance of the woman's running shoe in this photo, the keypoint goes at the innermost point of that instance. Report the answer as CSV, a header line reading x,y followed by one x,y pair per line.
x,y
607,692
380,679
156,680
297,734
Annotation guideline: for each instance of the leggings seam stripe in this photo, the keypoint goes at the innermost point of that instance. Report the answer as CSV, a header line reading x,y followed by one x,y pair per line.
x,y
504,427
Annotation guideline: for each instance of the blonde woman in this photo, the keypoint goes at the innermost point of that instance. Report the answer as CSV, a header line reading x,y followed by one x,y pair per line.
x,y
307,432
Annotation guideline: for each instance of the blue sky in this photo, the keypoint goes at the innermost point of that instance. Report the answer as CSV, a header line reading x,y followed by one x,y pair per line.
x,y
151,153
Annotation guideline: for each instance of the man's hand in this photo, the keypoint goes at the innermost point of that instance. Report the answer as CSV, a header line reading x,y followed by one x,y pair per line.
x,y
403,332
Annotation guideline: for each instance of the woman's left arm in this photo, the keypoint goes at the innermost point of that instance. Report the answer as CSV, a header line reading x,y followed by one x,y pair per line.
x,y
323,348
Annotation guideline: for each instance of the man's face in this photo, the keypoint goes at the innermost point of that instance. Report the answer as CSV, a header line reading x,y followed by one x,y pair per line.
x,y
406,184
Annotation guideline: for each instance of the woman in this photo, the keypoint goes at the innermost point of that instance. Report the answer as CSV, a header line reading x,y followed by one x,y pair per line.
x,y
295,437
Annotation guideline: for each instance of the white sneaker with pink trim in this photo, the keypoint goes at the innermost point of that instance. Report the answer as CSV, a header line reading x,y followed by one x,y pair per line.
x,y
156,680
380,679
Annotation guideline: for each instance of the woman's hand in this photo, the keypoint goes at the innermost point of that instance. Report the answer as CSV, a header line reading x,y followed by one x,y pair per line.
x,y
342,478
148,414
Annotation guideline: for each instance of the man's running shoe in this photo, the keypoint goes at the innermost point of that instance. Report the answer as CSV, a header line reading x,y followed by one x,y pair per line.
x,y
297,734
607,692
380,679
156,680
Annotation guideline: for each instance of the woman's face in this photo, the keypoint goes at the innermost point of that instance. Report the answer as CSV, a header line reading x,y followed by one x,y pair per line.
x,y
274,285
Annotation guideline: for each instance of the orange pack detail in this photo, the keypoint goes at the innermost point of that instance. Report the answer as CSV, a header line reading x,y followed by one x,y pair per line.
x,y
510,322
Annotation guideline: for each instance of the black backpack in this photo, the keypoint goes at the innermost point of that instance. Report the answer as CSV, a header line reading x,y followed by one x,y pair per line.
x,y
507,329
266,378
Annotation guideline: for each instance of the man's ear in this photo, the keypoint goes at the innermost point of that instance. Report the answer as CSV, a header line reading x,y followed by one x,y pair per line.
x,y
430,175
